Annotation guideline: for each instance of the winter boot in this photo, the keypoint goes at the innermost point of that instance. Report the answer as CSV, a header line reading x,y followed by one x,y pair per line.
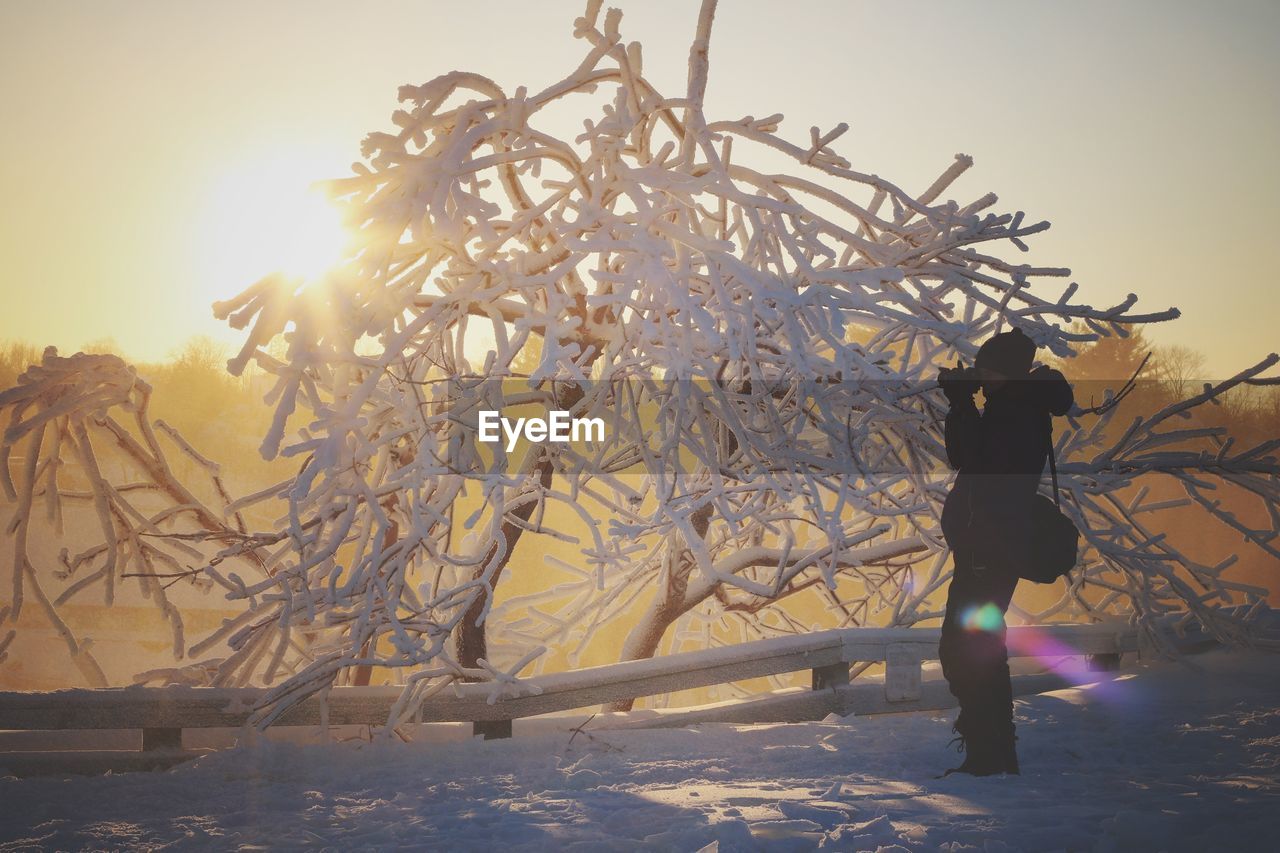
x,y
988,749
978,758
1004,753
970,740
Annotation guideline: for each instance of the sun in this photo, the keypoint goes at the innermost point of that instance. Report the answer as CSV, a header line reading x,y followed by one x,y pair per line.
x,y
263,215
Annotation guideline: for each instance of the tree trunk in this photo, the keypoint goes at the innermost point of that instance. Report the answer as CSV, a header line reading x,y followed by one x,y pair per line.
x,y
472,645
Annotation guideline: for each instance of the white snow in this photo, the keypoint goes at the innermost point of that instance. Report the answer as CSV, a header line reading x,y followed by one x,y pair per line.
x,y
1173,756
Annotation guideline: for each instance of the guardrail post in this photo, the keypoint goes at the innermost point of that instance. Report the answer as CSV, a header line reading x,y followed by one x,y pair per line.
x,y
831,675
491,729
1106,662
161,739
901,673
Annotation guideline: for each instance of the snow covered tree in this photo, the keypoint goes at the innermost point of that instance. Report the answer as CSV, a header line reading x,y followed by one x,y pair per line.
x,y
763,346
83,423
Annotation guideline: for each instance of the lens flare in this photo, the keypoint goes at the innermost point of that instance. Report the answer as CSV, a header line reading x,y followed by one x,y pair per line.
x,y
1066,662
984,617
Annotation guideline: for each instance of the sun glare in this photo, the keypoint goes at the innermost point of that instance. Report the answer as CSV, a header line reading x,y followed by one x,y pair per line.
x,y
264,216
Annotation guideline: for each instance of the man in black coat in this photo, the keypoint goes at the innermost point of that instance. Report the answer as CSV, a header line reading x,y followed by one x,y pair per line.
x,y
1000,454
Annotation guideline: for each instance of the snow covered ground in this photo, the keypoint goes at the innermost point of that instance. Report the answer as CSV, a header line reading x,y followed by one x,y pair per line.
x,y
1165,758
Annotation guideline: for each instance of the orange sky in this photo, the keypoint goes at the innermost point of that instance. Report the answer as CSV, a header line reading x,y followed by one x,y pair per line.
x,y
1146,131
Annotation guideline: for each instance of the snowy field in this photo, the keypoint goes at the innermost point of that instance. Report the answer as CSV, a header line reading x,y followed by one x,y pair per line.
x,y
1167,758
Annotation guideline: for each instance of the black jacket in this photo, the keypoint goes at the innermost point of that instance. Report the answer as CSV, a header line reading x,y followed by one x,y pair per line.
x,y
1000,454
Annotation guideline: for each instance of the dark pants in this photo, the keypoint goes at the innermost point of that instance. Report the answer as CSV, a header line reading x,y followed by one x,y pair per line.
x,y
972,651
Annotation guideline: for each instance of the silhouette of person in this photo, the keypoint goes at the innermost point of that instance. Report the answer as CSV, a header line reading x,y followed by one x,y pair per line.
x,y
1000,454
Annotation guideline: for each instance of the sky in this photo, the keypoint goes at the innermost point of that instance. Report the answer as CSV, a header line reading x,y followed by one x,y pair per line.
x,y
150,150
